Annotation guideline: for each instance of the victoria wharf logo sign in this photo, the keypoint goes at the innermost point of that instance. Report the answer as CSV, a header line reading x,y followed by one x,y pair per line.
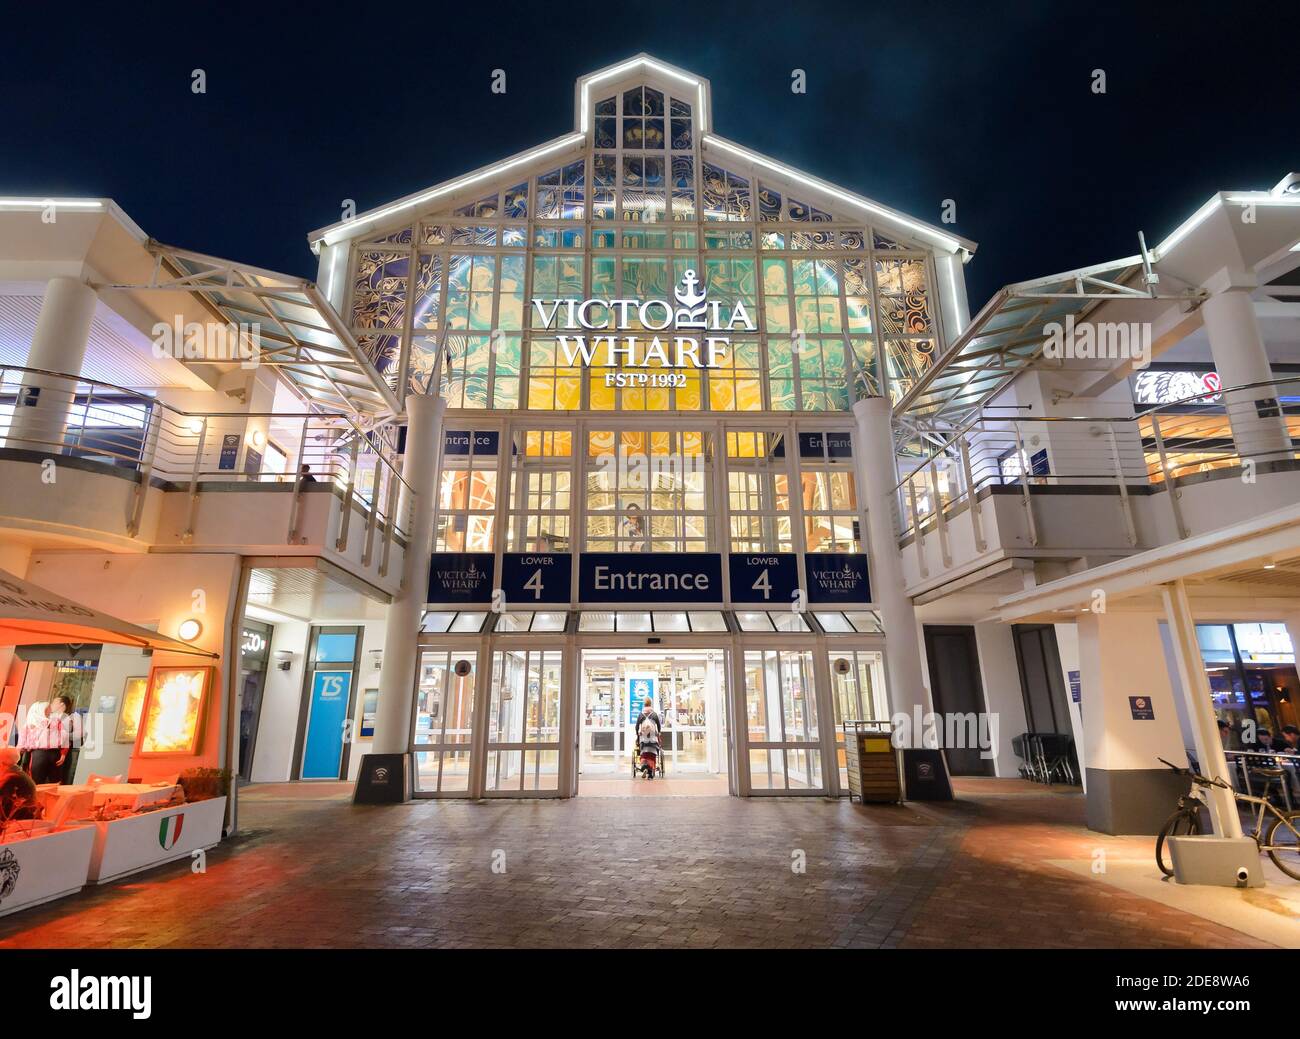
x,y
692,333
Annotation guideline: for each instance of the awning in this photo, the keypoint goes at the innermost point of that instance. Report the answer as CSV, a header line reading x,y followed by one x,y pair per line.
x,y
31,615
1007,336
300,333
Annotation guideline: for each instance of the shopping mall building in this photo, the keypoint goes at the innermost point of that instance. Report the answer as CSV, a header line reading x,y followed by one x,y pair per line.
x,y
643,414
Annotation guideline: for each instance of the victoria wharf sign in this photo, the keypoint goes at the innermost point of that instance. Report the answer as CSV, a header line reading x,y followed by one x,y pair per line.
x,y
626,333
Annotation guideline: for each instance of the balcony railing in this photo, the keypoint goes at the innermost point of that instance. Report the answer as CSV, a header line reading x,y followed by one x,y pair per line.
x,y
1162,447
56,415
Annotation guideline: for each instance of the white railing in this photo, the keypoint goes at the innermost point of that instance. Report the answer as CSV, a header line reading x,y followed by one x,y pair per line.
x,y
1160,447
51,414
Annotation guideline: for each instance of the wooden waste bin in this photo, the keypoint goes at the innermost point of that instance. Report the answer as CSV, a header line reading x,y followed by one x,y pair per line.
x,y
873,763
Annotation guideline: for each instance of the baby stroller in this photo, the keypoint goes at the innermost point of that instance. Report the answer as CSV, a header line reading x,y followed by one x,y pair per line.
x,y
649,759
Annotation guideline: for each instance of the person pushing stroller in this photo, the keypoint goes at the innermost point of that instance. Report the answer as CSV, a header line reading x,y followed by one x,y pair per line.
x,y
648,743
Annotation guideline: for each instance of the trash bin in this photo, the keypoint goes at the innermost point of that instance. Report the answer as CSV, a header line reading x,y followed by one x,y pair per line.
x,y
873,762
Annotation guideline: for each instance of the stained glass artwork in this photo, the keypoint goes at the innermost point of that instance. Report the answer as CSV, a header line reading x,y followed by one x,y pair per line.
x,y
379,289
827,310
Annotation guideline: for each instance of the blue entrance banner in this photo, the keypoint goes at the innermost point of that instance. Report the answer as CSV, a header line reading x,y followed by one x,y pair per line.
x,y
650,577
770,578
457,441
828,445
460,577
536,577
330,692
837,577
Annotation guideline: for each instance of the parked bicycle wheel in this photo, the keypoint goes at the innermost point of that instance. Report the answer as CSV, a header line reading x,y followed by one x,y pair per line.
x,y
1283,843
1186,822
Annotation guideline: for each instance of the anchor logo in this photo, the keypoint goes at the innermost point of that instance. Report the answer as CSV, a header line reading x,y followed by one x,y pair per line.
x,y
692,297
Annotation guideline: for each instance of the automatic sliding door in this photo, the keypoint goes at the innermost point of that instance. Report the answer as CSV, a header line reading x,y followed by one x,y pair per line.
x,y
523,744
781,721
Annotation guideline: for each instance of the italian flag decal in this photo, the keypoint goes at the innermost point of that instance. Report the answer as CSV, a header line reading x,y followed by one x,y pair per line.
x,y
169,830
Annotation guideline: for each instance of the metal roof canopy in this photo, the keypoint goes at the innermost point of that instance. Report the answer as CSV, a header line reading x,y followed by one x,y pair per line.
x,y
300,332
1006,337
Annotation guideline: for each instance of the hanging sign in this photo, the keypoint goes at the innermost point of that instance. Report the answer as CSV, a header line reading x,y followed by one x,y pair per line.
x,y
825,445
650,577
837,577
458,441
536,577
460,577
769,578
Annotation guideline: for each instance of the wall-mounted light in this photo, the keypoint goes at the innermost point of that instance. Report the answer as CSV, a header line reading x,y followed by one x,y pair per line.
x,y
196,426
189,629
258,438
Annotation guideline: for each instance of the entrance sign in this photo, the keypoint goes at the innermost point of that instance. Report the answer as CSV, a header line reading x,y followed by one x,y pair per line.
x,y
825,445
697,333
770,578
536,577
457,441
460,577
650,577
837,577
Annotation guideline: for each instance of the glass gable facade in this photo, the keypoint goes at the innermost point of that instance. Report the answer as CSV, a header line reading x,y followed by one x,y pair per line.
x,y
839,308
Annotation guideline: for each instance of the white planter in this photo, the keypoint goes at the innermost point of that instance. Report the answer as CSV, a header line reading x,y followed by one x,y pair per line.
x,y
138,842
45,868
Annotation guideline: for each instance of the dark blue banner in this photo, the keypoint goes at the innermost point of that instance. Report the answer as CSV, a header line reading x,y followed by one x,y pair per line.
x,y
535,577
650,577
770,579
828,445
460,577
837,577
457,441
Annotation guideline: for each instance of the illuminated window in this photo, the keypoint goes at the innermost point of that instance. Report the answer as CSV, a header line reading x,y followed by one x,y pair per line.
x,y
467,501
647,491
541,481
758,492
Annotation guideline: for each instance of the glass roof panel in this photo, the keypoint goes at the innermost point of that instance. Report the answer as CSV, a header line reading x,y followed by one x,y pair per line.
x,y
596,622
671,620
466,622
633,621
835,623
788,621
436,621
707,620
754,621
549,621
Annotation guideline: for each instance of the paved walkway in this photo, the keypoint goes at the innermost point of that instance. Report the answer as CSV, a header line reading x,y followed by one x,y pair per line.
x,y
314,871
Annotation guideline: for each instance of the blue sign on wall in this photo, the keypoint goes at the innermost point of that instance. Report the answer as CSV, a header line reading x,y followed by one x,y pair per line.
x,y
640,691
1076,686
650,577
837,577
330,692
536,577
461,577
769,578
457,441
229,451
828,445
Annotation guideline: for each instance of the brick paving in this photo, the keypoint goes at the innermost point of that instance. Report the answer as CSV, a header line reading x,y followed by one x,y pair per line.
x,y
694,872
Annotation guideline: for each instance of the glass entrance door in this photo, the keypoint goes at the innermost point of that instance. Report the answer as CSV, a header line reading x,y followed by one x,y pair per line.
x,y
858,685
688,690
523,738
444,721
781,722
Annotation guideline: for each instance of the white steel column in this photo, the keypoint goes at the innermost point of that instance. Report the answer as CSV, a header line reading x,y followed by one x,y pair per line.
x,y
58,345
875,451
1197,696
420,471
1240,359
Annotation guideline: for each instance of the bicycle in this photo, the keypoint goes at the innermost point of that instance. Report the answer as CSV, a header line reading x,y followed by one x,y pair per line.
x,y
1281,842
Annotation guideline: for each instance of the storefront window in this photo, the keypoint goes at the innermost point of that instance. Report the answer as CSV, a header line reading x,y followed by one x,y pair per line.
x,y
758,489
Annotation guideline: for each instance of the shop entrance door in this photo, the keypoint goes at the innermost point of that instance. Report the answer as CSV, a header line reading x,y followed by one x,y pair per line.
x,y
688,690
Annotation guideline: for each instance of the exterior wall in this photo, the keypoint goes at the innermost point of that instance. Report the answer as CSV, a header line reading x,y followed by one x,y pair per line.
x,y
1003,697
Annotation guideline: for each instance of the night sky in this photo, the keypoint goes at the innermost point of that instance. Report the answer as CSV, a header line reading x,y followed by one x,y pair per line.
x,y
908,103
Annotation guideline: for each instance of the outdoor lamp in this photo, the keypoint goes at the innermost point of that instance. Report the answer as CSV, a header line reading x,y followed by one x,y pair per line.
x,y
189,629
